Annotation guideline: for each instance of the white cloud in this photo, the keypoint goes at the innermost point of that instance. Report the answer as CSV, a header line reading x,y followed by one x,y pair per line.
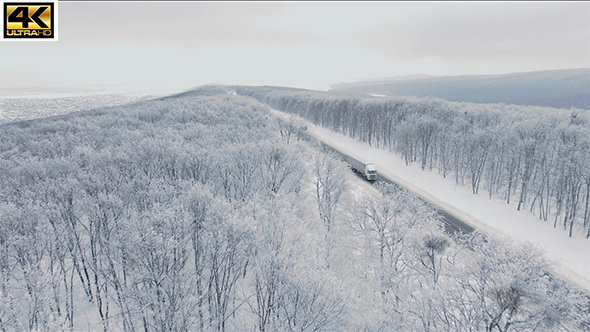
x,y
304,44
309,65
183,24
539,34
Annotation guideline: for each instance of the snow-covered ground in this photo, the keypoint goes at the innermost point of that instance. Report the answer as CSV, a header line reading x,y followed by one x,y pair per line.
x,y
19,108
22,104
569,257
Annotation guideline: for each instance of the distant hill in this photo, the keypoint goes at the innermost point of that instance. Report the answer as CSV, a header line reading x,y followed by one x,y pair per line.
x,y
205,90
553,88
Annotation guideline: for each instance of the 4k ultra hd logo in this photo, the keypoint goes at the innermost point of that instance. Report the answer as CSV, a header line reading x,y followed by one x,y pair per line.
x,y
29,20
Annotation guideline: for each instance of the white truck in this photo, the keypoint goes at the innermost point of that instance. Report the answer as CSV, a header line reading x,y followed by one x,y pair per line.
x,y
366,168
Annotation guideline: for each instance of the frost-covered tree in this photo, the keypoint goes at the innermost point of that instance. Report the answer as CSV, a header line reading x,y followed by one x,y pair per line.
x,y
329,185
518,152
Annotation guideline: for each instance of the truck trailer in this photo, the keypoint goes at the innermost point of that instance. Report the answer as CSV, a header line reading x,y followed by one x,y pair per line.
x,y
366,168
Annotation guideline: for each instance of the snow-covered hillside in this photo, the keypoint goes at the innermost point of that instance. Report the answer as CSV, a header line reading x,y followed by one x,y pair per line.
x,y
26,108
568,255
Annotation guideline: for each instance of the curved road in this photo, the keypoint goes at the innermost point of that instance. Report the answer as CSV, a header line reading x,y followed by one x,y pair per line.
x,y
452,223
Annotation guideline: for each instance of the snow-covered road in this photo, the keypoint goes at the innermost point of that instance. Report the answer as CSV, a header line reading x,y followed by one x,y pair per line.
x,y
569,257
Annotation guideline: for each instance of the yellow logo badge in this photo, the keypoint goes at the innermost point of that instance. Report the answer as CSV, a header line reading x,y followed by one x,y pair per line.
x,y
29,20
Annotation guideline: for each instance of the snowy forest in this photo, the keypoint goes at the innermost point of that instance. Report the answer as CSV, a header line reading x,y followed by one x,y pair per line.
x,y
204,212
535,158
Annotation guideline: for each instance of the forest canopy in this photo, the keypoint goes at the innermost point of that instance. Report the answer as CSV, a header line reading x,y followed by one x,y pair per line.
x,y
206,213
536,158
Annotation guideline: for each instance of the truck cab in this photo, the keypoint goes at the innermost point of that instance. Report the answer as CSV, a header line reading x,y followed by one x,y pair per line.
x,y
370,172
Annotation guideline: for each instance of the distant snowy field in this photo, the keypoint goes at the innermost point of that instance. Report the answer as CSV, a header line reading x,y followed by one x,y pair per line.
x,y
23,107
568,256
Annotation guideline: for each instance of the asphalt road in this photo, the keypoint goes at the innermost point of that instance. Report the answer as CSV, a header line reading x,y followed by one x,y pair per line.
x,y
452,223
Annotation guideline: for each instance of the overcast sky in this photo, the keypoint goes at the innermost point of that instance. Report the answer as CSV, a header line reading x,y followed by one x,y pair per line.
x,y
302,44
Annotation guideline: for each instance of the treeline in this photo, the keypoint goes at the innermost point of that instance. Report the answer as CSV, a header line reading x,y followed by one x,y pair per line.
x,y
535,158
207,214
